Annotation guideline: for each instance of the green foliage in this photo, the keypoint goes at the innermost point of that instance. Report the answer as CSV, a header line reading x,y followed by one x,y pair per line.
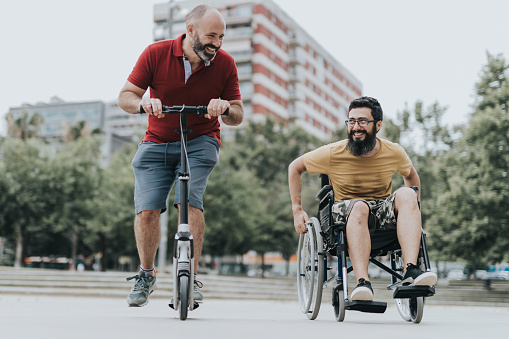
x,y
425,139
471,216
234,207
251,184
65,202
110,229
24,127
25,177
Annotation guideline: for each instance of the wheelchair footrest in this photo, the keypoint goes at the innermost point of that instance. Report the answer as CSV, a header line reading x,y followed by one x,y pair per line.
x,y
366,306
405,292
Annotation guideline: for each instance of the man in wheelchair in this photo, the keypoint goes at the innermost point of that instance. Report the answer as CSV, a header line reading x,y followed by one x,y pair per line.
x,y
360,170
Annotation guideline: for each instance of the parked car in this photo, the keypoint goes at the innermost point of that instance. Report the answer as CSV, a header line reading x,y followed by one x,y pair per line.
x,y
498,275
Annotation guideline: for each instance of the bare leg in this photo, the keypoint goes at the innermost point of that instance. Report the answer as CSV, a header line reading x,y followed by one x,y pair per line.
x,y
147,231
409,224
197,227
359,240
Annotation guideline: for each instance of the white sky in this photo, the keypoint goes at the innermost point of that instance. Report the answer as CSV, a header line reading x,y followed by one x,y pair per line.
x,y
401,50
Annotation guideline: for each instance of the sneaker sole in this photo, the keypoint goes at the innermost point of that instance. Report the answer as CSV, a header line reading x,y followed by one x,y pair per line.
x,y
426,279
362,293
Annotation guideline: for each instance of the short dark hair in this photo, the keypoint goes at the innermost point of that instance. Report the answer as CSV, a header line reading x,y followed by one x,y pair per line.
x,y
368,102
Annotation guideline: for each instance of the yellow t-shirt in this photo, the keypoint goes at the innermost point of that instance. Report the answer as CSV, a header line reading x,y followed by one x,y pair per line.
x,y
356,177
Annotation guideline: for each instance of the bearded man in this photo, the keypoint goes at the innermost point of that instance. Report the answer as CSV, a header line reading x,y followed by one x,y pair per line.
x,y
360,170
191,70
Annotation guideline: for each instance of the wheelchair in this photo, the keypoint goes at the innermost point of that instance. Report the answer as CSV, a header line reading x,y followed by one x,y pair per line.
x,y
324,238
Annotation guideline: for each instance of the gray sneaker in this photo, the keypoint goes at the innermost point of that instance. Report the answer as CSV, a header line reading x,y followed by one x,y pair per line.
x,y
198,297
143,286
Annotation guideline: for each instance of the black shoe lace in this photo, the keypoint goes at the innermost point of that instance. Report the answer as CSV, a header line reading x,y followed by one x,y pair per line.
x,y
198,283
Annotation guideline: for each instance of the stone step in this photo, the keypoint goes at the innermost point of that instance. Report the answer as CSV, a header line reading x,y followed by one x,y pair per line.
x,y
113,284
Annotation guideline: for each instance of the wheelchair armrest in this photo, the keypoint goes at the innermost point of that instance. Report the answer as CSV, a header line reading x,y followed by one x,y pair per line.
x,y
323,192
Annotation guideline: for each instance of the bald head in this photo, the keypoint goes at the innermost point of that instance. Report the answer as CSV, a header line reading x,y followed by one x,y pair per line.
x,y
203,12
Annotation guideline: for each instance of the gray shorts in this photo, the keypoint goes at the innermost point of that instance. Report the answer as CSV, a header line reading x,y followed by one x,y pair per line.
x,y
156,168
382,212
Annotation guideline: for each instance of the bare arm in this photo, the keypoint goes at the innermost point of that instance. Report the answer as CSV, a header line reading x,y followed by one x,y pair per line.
x,y
217,107
413,180
131,98
300,218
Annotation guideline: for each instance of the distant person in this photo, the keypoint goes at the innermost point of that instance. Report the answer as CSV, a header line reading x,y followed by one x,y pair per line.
x,y
189,70
360,171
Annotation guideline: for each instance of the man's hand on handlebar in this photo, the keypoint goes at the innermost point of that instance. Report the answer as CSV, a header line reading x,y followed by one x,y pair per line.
x,y
216,107
152,106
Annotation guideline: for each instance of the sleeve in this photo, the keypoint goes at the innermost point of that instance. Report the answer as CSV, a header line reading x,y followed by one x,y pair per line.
x,y
405,164
141,74
318,161
231,90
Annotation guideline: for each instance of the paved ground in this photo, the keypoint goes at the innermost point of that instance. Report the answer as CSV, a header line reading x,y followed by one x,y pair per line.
x,y
66,317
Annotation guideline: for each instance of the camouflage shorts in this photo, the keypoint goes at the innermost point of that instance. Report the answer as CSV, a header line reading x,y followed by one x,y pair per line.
x,y
382,212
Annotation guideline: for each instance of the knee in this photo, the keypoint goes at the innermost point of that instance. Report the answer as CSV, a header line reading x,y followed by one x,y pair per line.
x,y
407,197
148,216
359,213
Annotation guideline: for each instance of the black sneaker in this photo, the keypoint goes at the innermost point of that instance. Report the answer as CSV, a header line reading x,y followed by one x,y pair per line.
x,y
363,291
144,285
416,277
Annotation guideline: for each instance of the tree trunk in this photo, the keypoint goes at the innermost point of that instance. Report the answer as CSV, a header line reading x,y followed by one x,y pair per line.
x,y
18,261
74,248
102,261
263,264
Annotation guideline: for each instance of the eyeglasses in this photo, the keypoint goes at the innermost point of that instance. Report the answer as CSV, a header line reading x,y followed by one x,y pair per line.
x,y
361,122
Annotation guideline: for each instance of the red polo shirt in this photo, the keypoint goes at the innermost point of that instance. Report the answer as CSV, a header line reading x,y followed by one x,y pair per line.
x,y
161,68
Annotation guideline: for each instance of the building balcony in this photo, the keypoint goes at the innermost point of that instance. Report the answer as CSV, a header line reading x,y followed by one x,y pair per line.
x,y
296,40
296,76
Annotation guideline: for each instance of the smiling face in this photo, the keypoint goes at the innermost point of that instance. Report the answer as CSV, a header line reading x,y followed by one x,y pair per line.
x,y
362,140
207,35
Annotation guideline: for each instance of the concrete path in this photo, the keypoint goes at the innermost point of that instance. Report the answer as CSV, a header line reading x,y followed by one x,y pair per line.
x,y
68,317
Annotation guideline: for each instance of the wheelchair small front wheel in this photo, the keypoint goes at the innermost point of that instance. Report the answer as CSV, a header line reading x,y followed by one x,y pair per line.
x,y
338,301
184,296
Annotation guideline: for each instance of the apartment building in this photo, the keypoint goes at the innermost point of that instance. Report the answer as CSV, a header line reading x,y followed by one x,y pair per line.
x,y
283,72
108,119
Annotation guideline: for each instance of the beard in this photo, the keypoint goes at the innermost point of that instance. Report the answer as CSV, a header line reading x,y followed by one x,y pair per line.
x,y
361,147
200,50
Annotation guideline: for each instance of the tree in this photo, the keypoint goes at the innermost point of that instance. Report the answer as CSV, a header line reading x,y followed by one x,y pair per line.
x,y
266,149
471,216
234,207
24,201
24,127
109,232
76,169
22,165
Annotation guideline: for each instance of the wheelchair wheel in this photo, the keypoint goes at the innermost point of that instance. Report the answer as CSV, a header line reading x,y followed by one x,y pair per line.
x,y
410,309
310,270
338,302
